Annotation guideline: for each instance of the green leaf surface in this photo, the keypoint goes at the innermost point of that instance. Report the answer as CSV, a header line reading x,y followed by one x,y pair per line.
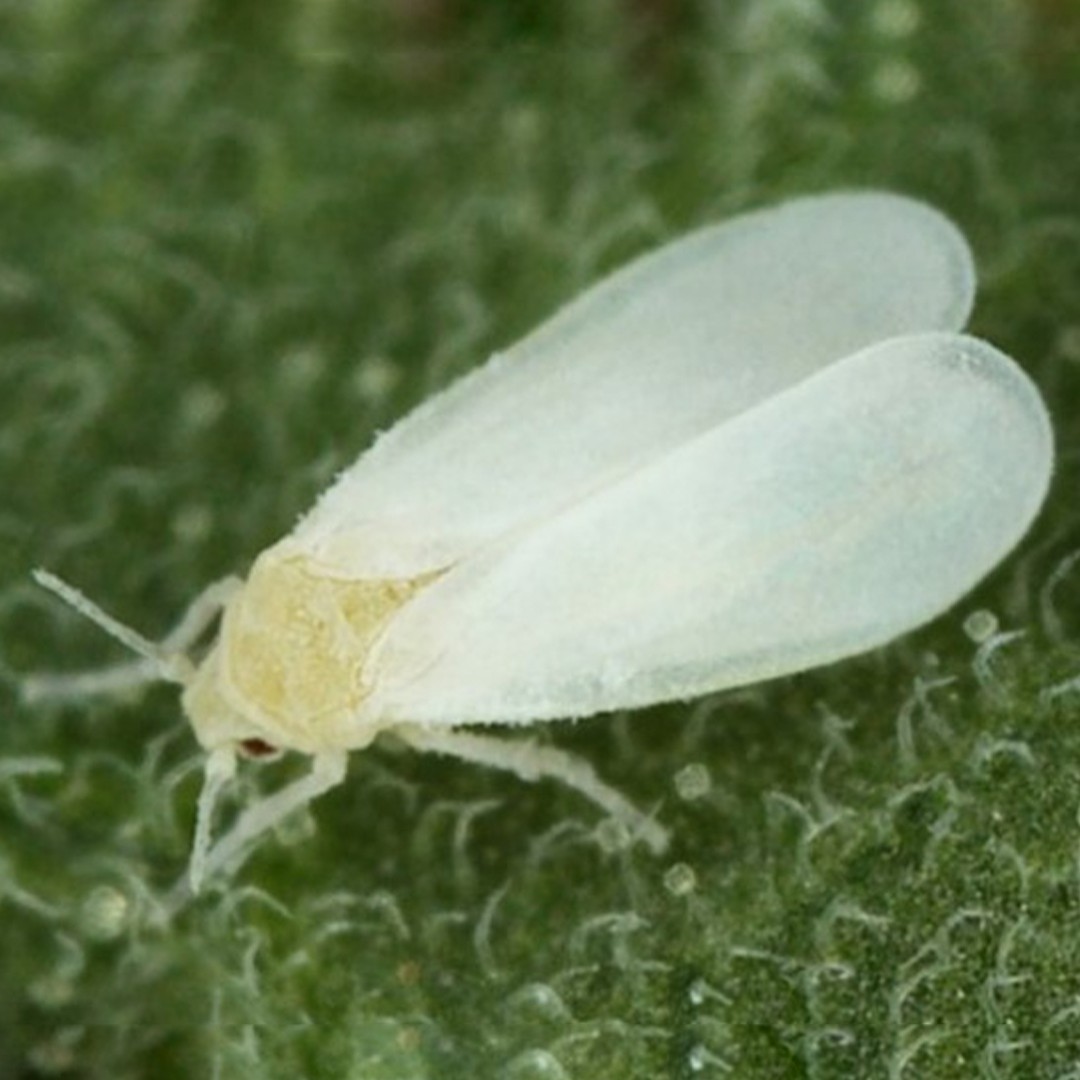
x,y
238,240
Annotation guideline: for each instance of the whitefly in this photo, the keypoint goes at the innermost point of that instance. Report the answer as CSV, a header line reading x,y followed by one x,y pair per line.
x,y
765,447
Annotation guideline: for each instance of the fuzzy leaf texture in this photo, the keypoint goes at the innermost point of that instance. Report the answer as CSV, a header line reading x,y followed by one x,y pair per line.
x,y
236,241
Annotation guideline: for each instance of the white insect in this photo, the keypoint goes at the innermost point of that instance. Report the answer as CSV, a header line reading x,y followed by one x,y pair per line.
x,y
760,449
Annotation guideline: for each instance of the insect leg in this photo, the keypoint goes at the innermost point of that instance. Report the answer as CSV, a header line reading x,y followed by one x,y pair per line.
x,y
327,771
532,761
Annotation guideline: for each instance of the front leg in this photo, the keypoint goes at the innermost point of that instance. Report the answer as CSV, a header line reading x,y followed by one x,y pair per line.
x,y
228,854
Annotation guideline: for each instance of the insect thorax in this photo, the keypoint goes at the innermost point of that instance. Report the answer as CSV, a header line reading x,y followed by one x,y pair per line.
x,y
287,664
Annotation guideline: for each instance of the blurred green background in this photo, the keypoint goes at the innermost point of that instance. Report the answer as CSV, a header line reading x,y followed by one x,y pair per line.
x,y
238,239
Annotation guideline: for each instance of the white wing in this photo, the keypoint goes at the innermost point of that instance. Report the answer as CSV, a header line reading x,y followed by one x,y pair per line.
x,y
666,348
846,510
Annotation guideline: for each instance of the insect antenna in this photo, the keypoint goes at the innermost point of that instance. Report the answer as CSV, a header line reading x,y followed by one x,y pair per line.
x,y
156,661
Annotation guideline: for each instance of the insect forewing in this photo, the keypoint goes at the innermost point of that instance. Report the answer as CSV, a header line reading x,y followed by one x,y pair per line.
x,y
827,520
666,348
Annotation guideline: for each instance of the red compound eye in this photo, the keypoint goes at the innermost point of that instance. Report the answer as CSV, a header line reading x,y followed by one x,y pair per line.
x,y
257,748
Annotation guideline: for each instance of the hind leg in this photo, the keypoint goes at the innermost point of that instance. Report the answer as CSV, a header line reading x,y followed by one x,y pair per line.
x,y
531,761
